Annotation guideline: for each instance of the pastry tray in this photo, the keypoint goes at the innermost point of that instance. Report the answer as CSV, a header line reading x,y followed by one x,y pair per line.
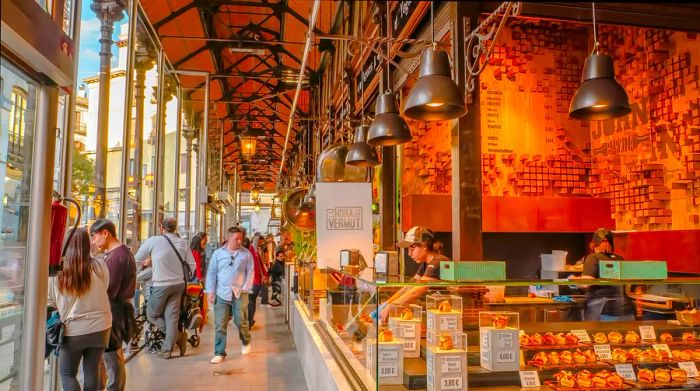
x,y
553,385
656,385
580,345
597,364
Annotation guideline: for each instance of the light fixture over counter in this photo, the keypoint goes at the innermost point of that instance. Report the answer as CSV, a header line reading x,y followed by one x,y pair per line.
x,y
360,153
600,96
249,141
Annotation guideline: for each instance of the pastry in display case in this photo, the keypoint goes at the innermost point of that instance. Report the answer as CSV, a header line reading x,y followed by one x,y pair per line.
x,y
486,346
405,321
444,312
499,341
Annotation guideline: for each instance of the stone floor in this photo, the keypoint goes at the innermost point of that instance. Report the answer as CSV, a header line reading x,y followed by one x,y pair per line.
x,y
272,365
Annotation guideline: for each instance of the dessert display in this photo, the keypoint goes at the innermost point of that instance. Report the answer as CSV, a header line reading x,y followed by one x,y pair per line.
x,y
614,337
600,338
406,314
386,335
585,380
636,355
445,306
665,337
688,337
445,342
549,340
632,337
660,378
564,359
499,321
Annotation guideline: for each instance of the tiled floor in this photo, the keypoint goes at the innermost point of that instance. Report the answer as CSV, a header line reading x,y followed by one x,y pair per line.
x,y
272,365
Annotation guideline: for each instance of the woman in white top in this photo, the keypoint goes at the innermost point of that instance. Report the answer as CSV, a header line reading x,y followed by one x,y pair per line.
x,y
79,292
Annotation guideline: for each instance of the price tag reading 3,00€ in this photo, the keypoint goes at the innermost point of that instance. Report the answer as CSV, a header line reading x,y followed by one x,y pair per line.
x,y
529,379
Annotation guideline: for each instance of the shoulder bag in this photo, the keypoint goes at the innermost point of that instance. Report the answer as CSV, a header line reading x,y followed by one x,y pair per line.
x,y
54,331
186,272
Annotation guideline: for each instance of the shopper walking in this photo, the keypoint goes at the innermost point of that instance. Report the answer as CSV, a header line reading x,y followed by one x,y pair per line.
x,y
198,246
260,278
172,263
79,292
277,276
122,285
229,282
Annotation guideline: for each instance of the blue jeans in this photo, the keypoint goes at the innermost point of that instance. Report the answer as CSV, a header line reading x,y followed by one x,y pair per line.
x,y
223,310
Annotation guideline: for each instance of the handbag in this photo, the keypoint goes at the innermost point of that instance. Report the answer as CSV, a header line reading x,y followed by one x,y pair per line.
x,y
55,328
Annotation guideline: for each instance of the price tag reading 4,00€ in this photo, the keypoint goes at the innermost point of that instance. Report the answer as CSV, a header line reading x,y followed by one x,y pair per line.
x,y
529,379
626,371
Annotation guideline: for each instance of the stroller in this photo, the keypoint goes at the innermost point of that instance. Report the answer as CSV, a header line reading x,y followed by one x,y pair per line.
x,y
193,311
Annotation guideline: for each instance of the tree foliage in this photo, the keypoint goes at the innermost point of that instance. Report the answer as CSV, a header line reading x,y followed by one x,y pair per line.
x,y
83,173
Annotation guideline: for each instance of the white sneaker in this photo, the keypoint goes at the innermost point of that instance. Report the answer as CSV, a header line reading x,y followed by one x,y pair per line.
x,y
245,349
217,359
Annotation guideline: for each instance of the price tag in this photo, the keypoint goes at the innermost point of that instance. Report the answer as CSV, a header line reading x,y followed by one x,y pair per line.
x,y
388,355
409,331
529,379
582,335
451,364
388,370
409,345
448,323
603,352
626,371
504,340
647,333
663,347
690,368
505,356
451,383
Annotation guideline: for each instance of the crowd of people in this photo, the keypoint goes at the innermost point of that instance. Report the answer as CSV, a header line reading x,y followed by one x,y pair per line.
x,y
94,295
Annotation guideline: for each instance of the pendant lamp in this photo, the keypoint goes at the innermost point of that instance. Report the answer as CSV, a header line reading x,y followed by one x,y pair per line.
x,y
435,96
599,96
360,153
388,127
249,141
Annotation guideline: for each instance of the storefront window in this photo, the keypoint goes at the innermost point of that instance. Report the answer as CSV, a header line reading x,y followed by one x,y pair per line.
x,y
16,134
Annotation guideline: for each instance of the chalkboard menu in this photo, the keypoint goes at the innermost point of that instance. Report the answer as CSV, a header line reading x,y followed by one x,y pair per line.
x,y
401,14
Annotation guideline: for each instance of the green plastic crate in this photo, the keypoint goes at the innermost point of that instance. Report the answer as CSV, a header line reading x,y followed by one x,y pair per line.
x,y
473,271
633,270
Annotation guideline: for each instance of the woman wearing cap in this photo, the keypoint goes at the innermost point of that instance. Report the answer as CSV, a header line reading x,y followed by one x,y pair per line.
x,y
603,302
425,250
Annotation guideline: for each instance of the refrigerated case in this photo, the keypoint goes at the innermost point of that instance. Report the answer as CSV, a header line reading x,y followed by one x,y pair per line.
x,y
481,335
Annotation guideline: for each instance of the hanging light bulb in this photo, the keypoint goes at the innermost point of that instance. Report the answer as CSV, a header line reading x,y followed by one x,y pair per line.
x,y
435,96
257,206
599,96
360,153
255,193
249,141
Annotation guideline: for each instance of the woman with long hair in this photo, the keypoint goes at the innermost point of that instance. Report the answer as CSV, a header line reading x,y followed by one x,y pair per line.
x,y
198,246
79,292
260,275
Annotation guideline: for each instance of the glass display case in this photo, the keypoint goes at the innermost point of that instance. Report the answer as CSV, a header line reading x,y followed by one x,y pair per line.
x,y
631,334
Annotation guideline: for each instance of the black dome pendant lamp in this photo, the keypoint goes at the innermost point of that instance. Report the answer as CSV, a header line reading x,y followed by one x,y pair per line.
x,y
600,96
388,128
435,96
360,153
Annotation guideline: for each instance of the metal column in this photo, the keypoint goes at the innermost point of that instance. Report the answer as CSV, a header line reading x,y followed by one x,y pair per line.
x,y
160,136
202,188
126,136
178,135
37,273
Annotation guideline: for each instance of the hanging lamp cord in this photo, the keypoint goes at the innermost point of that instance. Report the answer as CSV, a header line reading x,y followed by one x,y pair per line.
x,y
595,31
432,23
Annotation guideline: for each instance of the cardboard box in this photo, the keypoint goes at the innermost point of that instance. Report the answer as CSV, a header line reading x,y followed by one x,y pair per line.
x,y
500,349
385,360
447,369
643,270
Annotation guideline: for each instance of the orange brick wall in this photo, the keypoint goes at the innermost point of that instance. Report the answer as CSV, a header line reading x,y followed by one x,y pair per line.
x,y
427,161
648,163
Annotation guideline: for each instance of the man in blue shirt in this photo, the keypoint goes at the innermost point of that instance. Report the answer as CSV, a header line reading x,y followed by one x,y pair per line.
x,y
229,281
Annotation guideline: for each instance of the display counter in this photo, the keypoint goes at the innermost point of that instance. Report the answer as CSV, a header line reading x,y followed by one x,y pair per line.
x,y
488,335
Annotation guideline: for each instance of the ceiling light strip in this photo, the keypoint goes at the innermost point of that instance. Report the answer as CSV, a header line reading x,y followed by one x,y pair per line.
x,y
302,70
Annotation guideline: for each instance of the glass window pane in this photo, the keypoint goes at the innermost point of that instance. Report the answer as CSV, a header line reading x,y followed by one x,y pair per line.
x,y
15,173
